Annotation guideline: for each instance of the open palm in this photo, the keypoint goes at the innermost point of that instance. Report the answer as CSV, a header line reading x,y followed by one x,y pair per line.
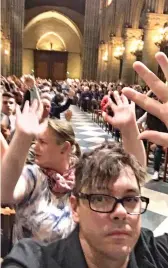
x,y
124,112
160,89
28,121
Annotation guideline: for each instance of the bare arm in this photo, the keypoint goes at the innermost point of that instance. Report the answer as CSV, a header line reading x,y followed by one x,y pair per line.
x,y
4,145
27,126
12,165
132,144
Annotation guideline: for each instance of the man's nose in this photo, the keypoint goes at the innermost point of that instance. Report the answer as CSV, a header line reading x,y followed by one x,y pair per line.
x,y
119,212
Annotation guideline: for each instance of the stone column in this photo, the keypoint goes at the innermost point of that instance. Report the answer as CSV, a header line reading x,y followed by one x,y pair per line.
x,y
152,25
99,66
91,39
12,25
16,29
128,74
113,63
5,38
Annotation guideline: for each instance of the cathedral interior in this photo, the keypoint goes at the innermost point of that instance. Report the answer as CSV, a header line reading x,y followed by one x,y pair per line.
x,y
96,40
92,45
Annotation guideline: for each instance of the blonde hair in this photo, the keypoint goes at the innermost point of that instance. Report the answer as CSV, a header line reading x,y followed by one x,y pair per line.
x,y
64,132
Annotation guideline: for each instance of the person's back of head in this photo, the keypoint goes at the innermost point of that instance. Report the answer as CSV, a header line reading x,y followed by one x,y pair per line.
x,y
63,132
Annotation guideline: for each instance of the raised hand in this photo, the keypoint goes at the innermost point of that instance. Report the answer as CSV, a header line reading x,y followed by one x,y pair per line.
x,y
124,113
160,89
27,122
71,93
29,81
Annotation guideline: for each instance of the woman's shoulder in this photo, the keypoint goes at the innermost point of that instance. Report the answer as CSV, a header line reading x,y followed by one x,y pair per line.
x,y
34,174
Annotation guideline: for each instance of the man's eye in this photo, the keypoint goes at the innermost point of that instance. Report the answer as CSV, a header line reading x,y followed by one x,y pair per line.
x,y
97,198
131,199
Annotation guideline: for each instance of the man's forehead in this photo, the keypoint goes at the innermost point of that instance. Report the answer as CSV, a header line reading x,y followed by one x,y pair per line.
x,y
125,182
8,98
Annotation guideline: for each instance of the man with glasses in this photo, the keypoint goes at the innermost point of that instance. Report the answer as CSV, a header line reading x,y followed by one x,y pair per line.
x,y
106,206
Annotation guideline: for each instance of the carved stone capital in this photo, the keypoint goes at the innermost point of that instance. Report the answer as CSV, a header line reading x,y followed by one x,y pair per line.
x,y
132,34
154,21
116,41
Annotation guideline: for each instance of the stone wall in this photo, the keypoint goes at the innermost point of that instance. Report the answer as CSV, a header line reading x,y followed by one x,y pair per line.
x,y
122,23
91,39
12,23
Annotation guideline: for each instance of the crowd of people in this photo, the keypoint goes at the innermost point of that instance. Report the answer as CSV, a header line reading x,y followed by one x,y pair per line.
x,y
81,210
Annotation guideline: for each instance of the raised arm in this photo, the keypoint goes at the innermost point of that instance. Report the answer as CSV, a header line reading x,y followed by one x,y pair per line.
x,y
4,146
27,126
125,120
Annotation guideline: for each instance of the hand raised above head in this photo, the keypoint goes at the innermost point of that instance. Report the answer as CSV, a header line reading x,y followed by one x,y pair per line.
x,y
71,93
27,122
160,89
124,112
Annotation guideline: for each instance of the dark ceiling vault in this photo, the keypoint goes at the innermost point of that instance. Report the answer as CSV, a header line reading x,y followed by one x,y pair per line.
x,y
77,5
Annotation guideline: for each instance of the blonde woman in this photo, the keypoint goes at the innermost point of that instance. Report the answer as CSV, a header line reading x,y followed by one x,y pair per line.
x,y
40,195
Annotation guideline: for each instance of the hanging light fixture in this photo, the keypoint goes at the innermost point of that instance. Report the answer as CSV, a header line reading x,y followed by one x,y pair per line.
x,y
137,47
119,51
162,38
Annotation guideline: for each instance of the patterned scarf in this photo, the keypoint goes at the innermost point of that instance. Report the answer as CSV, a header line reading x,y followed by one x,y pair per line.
x,y
58,183
61,184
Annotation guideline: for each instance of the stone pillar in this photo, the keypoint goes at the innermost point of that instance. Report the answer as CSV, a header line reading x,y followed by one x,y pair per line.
x,y
128,74
113,63
5,38
152,25
16,28
91,39
99,66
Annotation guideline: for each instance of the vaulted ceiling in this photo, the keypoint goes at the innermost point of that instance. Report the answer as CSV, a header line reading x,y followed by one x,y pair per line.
x,y
76,5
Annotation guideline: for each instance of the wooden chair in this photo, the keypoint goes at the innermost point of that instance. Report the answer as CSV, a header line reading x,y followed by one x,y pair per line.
x,y
7,222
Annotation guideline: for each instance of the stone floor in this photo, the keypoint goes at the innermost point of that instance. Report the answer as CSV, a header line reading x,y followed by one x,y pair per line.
x,y
89,135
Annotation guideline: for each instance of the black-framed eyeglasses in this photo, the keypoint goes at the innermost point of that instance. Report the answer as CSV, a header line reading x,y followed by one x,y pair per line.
x,y
102,203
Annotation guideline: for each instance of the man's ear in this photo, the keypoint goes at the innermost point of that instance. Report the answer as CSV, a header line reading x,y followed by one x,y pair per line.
x,y
75,208
66,147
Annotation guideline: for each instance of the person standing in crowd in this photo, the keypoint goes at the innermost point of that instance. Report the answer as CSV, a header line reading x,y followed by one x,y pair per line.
x,y
57,108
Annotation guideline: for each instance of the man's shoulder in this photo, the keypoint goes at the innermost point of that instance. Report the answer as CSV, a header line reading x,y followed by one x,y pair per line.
x,y
26,253
153,249
30,253
148,236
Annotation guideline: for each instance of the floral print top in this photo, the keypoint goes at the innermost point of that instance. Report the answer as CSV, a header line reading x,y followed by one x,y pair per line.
x,y
41,215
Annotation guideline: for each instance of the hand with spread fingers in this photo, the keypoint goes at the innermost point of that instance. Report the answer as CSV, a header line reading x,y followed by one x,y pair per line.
x,y
27,122
125,120
124,112
160,89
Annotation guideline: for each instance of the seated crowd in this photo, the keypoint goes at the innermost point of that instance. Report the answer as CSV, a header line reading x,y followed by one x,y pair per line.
x,y
55,190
